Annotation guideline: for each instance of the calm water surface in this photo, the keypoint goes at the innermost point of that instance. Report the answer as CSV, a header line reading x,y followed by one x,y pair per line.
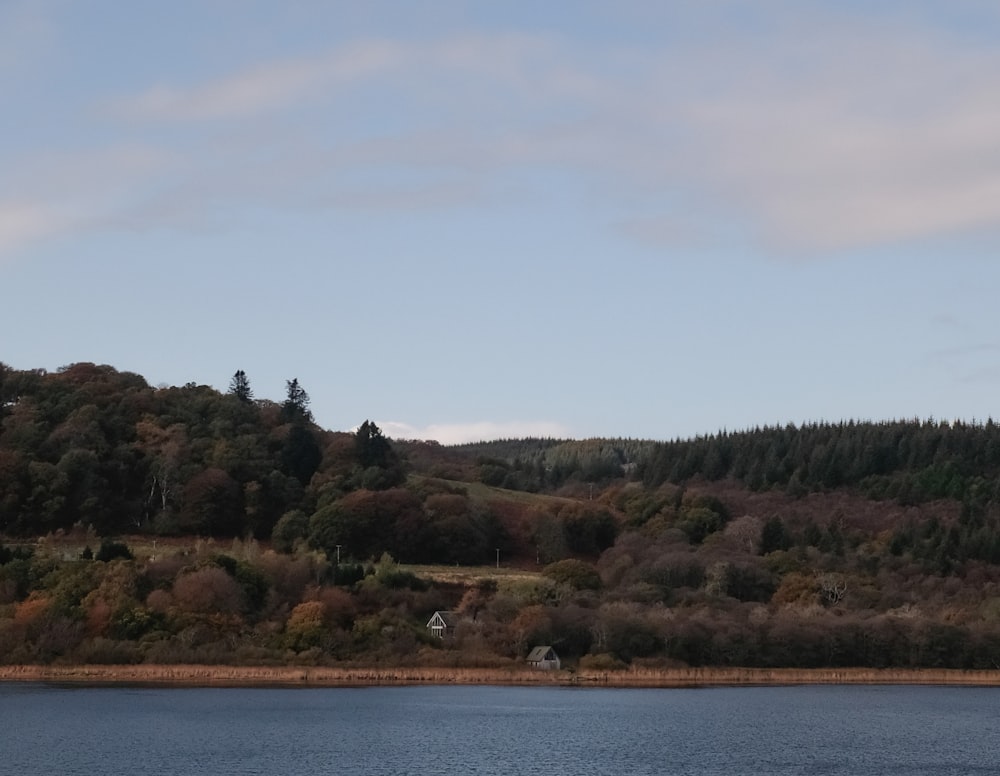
x,y
480,731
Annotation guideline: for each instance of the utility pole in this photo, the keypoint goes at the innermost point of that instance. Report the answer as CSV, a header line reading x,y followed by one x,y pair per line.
x,y
338,553
498,557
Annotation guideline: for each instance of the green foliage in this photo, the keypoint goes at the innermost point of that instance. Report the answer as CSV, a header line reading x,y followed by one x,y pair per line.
x,y
493,473
239,386
295,408
905,516
112,550
8,554
378,465
252,582
289,530
698,522
632,638
773,536
301,455
347,574
574,573
913,461
132,623
388,574
361,523
589,531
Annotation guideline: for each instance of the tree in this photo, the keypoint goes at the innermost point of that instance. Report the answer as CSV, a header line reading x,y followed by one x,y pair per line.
x,y
774,536
296,406
212,504
239,386
301,454
371,447
379,465
574,573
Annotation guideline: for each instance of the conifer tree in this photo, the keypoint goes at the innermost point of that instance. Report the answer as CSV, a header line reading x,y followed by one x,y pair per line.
x,y
296,406
239,386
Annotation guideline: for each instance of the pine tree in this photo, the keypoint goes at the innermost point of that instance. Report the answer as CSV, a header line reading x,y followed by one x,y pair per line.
x,y
296,406
239,386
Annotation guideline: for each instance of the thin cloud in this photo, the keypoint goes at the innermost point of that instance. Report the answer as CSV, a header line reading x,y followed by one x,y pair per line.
x,y
260,89
817,135
482,431
69,193
966,351
280,84
22,223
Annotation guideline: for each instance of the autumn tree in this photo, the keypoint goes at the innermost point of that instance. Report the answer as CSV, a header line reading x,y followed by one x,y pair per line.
x,y
212,504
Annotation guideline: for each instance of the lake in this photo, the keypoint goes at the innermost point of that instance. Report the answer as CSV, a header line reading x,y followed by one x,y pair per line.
x,y
480,731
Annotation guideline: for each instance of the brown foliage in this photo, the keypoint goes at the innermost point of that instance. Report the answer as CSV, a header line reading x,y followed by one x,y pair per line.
x,y
338,606
208,590
31,611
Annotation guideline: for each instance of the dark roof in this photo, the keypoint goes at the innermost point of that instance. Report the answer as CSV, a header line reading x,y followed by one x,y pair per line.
x,y
450,618
541,653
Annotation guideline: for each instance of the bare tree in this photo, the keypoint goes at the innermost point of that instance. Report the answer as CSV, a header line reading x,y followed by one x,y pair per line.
x,y
745,531
833,587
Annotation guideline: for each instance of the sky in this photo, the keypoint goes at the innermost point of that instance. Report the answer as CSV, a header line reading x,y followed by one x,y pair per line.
x,y
477,220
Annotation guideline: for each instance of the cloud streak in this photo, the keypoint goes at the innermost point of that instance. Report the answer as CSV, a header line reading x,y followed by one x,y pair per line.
x,y
817,135
480,431
260,89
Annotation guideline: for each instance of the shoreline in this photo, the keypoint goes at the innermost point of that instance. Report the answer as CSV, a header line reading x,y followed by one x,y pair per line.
x,y
321,676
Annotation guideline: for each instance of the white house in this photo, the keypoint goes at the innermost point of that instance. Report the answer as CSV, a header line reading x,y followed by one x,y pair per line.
x,y
442,624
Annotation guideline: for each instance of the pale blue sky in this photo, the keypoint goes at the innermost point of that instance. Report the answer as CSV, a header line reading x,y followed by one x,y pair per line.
x,y
481,219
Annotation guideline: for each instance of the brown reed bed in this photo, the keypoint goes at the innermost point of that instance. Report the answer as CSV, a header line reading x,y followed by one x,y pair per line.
x,y
303,676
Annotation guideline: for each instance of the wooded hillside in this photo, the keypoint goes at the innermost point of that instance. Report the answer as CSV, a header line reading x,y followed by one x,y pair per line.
x,y
181,524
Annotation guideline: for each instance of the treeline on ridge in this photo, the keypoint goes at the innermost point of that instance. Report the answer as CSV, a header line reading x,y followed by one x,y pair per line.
x,y
822,545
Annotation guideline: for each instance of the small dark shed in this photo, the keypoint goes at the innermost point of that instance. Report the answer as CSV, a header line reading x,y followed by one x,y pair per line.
x,y
544,658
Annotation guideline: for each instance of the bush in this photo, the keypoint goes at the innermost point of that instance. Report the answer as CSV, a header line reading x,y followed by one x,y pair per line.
x,y
601,662
574,573
111,550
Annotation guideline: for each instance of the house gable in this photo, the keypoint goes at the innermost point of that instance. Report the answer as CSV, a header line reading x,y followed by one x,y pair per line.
x,y
442,624
543,657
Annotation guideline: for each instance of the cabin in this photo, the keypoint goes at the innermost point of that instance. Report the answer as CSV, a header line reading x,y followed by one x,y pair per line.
x,y
544,659
442,624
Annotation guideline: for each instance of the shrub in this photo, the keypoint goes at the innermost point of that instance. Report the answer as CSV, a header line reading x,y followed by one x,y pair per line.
x,y
208,590
574,573
601,662
111,550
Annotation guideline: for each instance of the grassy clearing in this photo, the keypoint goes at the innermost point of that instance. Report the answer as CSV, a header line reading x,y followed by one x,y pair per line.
x,y
480,492
469,575
70,547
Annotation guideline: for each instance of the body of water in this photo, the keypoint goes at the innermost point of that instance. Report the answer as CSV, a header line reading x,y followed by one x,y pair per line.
x,y
482,731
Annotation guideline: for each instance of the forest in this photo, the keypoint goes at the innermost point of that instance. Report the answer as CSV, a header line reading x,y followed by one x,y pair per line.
x,y
143,524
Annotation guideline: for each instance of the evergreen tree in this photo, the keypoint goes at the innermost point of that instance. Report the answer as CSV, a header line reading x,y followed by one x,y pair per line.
x,y
296,406
371,447
239,386
774,536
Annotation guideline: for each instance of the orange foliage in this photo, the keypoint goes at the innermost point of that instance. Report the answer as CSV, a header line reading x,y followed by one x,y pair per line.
x,y
338,605
32,610
98,617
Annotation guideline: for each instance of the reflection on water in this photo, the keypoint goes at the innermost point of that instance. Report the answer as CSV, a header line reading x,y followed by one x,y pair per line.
x,y
480,731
